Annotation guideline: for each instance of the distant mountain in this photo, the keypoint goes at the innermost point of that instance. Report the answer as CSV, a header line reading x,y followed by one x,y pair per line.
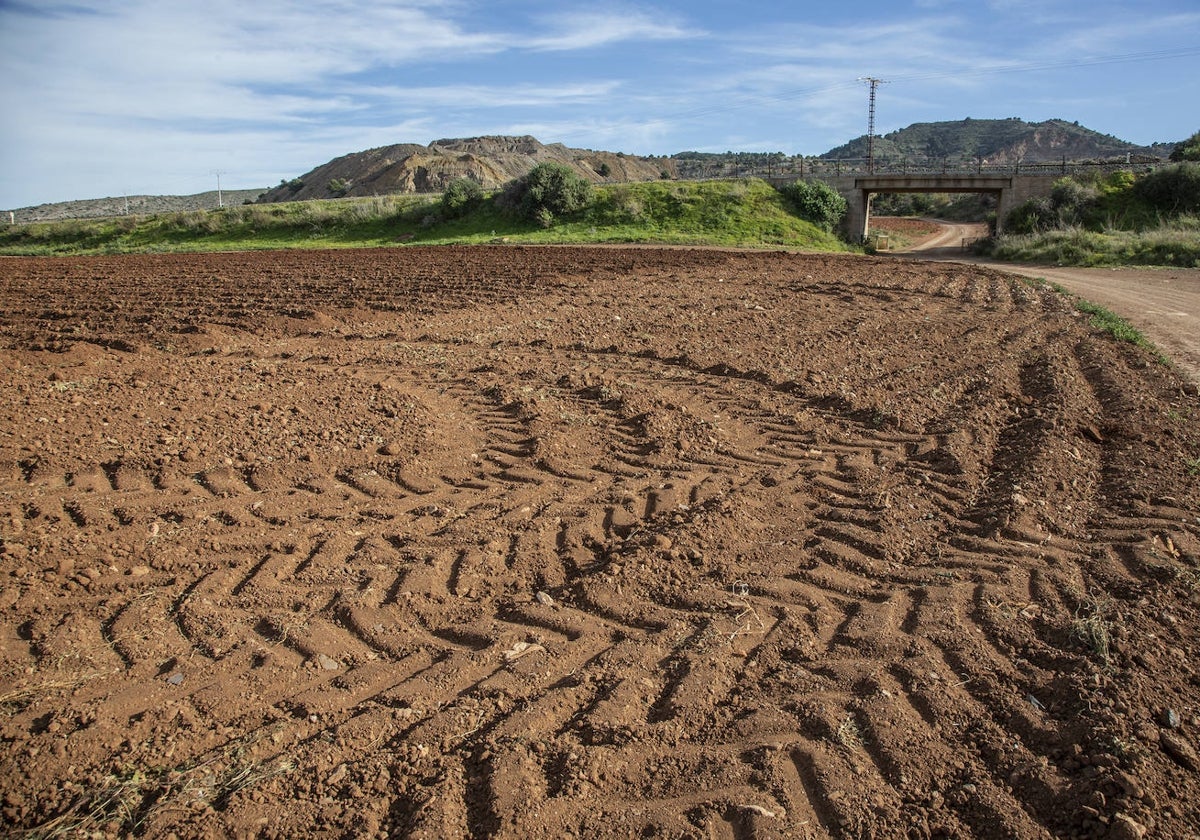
x,y
131,205
489,161
999,142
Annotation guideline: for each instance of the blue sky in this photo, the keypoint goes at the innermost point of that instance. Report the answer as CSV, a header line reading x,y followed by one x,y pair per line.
x,y
110,97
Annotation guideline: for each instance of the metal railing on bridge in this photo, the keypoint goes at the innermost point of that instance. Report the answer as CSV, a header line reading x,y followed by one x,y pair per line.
x,y
802,167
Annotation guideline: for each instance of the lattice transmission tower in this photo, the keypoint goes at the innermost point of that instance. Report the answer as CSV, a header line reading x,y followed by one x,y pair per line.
x,y
874,83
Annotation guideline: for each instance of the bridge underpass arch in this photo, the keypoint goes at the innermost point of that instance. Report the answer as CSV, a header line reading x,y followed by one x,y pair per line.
x,y
858,219
995,226
1010,191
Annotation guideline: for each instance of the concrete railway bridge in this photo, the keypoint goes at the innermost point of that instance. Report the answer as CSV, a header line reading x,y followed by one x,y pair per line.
x,y
1012,185
1010,191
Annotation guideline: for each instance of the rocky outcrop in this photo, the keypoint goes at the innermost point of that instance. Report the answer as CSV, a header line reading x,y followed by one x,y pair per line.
x,y
489,161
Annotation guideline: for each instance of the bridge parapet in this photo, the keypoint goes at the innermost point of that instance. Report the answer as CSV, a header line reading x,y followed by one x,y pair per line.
x,y
933,183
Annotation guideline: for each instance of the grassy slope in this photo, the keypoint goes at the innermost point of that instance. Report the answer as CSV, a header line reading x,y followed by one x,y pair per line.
x,y
743,213
1105,220
1172,244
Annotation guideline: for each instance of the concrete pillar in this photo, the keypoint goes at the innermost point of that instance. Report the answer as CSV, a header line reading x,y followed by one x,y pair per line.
x,y
1004,205
858,214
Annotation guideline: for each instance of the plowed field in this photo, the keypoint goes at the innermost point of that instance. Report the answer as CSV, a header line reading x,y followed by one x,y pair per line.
x,y
511,543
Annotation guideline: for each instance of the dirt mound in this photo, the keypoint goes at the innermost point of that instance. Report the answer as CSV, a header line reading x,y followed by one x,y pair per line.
x,y
588,542
489,161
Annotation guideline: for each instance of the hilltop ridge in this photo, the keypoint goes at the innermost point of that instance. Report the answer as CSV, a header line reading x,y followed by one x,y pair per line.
x,y
999,141
489,161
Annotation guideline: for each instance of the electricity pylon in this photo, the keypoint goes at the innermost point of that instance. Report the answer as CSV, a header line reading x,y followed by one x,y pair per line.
x,y
874,83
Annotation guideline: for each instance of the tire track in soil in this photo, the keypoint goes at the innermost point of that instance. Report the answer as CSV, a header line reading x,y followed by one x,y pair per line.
x,y
502,581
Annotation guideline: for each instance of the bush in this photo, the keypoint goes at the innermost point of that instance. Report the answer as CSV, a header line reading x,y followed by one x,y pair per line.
x,y
1171,190
1189,149
460,197
1073,201
1094,202
1033,216
817,202
549,190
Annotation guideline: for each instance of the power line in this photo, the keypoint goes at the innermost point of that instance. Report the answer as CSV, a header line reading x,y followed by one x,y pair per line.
x,y
1028,67
805,93
744,102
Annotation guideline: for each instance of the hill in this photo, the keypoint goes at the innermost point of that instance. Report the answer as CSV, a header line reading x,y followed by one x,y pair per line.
x,y
489,161
999,141
745,213
132,205
989,141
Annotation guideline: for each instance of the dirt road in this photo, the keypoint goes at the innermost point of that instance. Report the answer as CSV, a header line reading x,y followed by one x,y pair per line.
x,y
500,543
1163,303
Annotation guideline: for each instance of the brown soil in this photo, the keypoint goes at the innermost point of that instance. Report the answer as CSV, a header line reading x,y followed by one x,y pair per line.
x,y
505,542
1163,303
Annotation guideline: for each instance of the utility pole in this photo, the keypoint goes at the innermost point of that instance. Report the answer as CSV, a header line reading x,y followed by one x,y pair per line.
x,y
218,173
874,83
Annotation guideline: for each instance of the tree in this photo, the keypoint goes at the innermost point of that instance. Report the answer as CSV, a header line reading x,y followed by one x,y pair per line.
x,y
1189,149
817,202
549,190
460,197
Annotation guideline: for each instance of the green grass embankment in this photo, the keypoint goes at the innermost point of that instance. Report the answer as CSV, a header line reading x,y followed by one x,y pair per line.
x,y
1107,219
1172,244
746,213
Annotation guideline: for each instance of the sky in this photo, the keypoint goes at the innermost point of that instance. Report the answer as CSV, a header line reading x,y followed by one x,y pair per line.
x,y
173,97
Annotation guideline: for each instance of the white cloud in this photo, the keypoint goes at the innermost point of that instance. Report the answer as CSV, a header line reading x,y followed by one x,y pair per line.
x,y
588,29
490,96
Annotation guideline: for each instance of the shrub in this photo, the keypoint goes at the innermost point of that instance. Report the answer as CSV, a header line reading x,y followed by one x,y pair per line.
x,y
1172,190
552,188
816,202
1033,216
339,186
460,197
1189,149
1072,201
